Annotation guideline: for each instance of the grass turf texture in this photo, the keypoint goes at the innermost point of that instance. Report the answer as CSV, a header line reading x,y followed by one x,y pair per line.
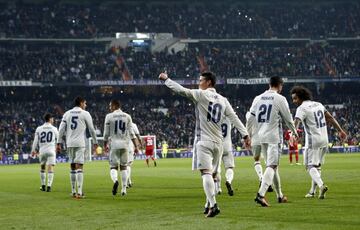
x,y
171,197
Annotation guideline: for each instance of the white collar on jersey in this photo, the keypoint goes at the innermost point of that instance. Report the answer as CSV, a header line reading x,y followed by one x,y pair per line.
x,y
271,90
211,89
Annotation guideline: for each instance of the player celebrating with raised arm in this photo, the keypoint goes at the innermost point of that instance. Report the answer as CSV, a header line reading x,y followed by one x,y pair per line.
x,y
267,111
314,117
118,131
45,140
73,126
210,110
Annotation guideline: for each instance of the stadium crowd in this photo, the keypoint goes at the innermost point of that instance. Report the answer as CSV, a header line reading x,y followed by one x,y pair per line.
x,y
75,63
201,20
170,118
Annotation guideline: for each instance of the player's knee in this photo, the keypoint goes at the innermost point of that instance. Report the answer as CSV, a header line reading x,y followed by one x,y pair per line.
x,y
42,167
114,167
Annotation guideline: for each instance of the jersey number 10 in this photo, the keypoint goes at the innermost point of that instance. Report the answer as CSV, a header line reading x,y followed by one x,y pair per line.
x,y
214,112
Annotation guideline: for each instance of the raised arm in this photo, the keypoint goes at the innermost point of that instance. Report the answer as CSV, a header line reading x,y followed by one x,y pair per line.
x,y
192,94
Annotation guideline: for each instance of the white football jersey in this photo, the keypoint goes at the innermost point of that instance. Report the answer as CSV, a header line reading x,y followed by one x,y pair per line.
x,y
136,132
226,131
118,129
312,115
268,110
45,140
210,111
74,124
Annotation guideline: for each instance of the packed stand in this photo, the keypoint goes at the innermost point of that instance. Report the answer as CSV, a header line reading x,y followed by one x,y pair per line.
x,y
213,20
81,63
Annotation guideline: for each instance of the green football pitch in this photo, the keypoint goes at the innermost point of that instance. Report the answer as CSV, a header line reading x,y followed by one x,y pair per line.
x,y
170,196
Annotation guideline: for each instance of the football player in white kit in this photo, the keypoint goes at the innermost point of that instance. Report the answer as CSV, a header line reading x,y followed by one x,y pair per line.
x,y
255,145
129,183
210,110
73,126
268,111
314,117
118,130
45,140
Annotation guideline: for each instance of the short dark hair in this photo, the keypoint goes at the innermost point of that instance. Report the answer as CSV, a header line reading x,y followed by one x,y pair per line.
x,y
301,92
47,117
78,100
115,103
209,76
275,81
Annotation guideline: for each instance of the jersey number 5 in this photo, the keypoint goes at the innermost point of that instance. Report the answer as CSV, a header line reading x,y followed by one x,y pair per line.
x,y
74,122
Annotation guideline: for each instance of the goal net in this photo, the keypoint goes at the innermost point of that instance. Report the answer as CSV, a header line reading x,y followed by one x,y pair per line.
x,y
99,153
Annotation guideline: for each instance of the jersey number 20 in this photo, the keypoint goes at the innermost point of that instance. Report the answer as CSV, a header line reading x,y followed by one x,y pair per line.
x,y
46,137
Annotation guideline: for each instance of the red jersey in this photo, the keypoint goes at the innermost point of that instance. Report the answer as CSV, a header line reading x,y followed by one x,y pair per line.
x,y
291,140
149,143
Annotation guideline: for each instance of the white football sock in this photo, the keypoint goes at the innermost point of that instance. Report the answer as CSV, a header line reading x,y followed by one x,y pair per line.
x,y
313,184
315,175
313,187
124,177
209,188
50,178
79,180
114,175
258,169
206,204
128,168
277,184
267,180
73,180
229,175
42,177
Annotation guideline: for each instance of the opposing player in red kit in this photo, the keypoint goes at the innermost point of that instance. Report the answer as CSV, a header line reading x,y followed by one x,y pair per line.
x,y
149,149
293,146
